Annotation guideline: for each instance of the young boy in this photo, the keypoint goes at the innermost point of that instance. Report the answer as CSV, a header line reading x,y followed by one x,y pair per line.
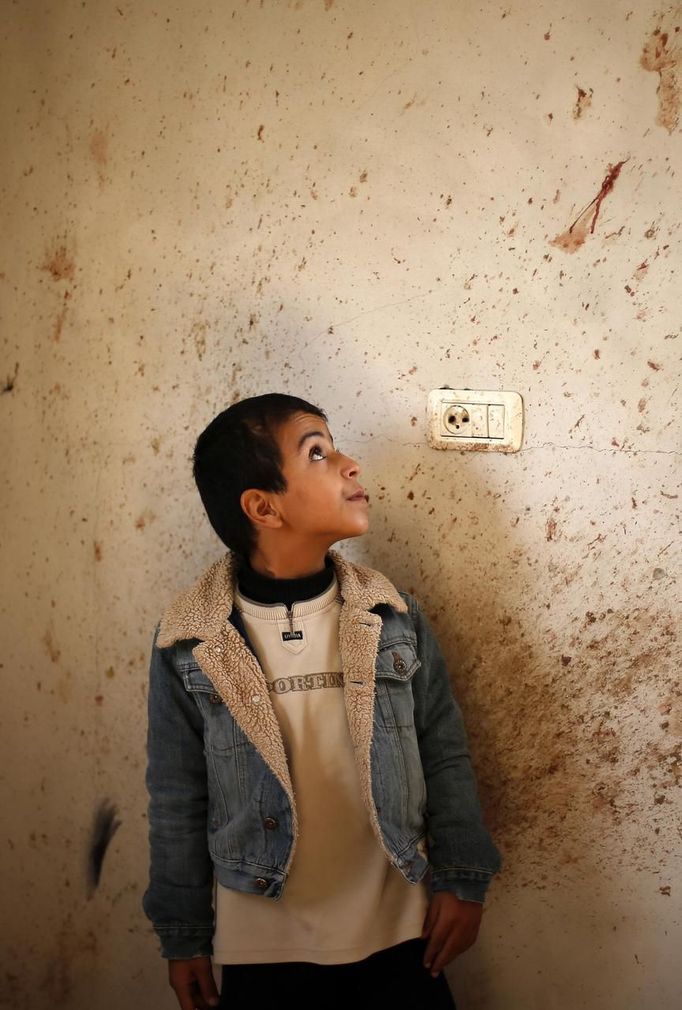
x,y
313,819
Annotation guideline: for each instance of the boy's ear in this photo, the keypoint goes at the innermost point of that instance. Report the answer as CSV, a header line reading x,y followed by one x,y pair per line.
x,y
260,508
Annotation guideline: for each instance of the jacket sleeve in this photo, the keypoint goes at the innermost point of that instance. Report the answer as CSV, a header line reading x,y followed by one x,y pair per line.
x,y
462,854
178,900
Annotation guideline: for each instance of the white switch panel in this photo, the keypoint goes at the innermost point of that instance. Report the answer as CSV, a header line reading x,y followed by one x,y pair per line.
x,y
487,420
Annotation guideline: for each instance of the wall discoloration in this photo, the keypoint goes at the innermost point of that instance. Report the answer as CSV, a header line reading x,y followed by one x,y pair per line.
x,y
662,55
59,263
198,336
53,650
72,945
585,222
579,732
142,520
58,324
99,150
582,102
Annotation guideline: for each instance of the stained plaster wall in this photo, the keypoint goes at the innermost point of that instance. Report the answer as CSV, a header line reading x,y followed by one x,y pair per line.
x,y
355,202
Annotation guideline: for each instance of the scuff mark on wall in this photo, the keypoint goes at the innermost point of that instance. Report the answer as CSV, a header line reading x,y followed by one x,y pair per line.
x,y
10,381
105,826
99,149
59,321
584,224
662,58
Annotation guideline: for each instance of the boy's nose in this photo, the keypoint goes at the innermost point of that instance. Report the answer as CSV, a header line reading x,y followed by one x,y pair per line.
x,y
351,466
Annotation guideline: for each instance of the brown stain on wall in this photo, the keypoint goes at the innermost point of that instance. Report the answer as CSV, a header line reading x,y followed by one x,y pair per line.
x,y
641,270
99,149
583,102
58,324
584,224
53,650
63,687
660,55
71,944
60,264
146,517
198,335
577,746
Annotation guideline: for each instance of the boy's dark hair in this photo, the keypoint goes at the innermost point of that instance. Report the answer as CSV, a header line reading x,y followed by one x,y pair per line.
x,y
238,450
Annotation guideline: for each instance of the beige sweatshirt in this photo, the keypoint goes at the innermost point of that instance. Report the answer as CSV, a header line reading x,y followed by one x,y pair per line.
x,y
343,900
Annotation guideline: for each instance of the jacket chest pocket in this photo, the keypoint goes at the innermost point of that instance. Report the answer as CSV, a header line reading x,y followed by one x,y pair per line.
x,y
221,733
394,669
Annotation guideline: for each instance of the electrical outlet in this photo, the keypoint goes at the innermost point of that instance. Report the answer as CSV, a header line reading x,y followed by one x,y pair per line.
x,y
478,419
457,420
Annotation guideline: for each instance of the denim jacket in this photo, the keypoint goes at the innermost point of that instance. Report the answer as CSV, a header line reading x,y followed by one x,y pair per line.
x,y
221,798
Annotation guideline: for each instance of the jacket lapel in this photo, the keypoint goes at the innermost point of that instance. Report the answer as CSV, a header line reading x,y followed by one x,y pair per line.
x,y
359,634
239,680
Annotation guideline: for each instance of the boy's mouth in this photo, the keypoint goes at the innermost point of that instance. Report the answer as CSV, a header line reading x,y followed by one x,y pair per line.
x,y
359,496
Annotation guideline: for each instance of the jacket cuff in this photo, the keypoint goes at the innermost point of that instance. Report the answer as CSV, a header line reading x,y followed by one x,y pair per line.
x,y
465,888
187,943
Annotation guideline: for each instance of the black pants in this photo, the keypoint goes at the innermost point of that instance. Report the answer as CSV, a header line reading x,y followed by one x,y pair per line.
x,y
394,978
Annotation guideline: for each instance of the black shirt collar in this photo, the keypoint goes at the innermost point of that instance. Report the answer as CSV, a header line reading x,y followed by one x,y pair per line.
x,y
265,589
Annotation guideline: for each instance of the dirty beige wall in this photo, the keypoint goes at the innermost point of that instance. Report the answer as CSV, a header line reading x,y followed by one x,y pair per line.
x,y
355,202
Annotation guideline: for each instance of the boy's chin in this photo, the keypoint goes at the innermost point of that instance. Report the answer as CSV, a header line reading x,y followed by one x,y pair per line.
x,y
349,533
358,530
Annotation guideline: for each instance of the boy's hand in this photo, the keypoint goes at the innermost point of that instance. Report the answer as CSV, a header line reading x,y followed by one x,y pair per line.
x,y
193,982
451,927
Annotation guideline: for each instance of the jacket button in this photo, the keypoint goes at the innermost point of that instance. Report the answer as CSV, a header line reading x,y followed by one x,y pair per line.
x,y
255,698
261,882
398,662
270,822
215,699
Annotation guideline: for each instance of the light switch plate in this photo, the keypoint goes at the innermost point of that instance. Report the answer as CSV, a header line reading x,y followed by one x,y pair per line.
x,y
487,420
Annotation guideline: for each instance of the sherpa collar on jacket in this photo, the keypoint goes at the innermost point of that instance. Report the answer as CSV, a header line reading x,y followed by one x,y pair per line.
x,y
202,610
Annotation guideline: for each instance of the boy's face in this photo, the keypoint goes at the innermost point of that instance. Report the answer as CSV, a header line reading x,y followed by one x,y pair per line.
x,y
317,505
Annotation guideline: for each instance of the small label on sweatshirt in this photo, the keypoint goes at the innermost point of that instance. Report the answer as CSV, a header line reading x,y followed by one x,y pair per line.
x,y
292,636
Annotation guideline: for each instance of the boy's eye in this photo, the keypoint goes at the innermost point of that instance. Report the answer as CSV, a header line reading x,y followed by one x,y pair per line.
x,y
318,449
